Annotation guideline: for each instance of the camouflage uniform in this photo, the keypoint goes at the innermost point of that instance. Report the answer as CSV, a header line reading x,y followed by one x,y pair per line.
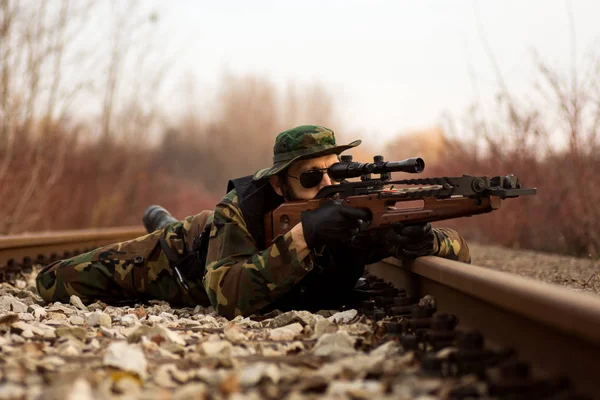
x,y
241,275
134,270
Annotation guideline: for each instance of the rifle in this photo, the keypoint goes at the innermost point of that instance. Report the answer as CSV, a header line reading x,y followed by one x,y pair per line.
x,y
442,197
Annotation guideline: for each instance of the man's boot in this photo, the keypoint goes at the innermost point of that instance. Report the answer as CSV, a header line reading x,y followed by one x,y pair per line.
x,y
156,217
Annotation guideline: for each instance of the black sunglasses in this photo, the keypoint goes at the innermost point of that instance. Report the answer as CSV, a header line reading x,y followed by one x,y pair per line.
x,y
311,178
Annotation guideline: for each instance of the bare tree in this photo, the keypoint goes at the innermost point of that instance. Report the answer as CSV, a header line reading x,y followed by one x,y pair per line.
x,y
40,46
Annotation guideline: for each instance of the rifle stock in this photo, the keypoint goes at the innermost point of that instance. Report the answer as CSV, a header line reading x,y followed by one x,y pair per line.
x,y
384,212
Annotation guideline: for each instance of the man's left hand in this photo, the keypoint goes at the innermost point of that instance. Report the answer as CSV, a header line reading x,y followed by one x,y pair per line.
x,y
397,241
418,241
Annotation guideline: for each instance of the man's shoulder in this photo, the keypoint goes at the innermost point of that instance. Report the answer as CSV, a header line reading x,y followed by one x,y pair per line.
x,y
228,209
230,197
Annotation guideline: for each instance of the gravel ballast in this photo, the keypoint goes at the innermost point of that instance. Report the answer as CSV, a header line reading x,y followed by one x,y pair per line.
x,y
149,351
579,274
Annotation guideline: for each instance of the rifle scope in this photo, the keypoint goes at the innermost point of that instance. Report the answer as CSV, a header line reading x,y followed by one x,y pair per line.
x,y
350,169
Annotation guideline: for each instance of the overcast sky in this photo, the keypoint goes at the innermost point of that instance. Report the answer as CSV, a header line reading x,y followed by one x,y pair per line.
x,y
392,66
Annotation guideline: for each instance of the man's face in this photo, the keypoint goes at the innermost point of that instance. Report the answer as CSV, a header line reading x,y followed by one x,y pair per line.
x,y
298,191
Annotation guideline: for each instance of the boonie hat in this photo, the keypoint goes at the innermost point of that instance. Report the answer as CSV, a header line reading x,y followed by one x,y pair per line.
x,y
301,142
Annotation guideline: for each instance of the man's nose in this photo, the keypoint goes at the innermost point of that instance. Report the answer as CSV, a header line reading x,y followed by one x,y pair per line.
x,y
326,181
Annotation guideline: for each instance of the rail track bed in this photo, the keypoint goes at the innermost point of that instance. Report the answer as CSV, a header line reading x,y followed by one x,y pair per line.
x,y
431,328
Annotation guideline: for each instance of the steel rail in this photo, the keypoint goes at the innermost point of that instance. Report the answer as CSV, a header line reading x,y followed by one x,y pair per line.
x,y
556,329
48,246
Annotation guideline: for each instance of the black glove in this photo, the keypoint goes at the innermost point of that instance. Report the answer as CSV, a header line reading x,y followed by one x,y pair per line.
x,y
395,241
374,245
417,240
331,223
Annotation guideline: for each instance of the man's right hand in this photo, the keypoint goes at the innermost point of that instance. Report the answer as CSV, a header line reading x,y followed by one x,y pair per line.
x,y
331,223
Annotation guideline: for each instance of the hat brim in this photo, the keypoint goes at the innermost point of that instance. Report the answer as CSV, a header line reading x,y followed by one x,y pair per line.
x,y
281,165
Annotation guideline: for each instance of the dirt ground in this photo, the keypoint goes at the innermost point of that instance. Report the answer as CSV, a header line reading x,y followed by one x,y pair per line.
x,y
579,274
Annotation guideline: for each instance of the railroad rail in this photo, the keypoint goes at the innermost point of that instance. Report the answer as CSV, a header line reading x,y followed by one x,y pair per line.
x,y
555,330
20,252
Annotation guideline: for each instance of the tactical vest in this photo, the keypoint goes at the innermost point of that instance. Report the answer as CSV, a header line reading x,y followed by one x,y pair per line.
x,y
255,199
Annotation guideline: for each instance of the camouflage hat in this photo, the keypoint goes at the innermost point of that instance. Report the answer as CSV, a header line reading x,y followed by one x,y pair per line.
x,y
301,142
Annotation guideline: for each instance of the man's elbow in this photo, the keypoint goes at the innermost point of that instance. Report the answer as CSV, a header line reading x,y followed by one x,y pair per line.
x,y
231,311
226,306
234,307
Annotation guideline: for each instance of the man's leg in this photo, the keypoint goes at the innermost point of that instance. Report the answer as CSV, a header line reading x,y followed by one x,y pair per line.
x,y
134,270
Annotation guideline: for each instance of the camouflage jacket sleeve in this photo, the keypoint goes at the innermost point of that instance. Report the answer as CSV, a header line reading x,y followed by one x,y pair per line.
x,y
239,278
451,245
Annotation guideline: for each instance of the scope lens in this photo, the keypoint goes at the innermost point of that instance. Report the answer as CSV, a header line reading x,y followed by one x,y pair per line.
x,y
420,165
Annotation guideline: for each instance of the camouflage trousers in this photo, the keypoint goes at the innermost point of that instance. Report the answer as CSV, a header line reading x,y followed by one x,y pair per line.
x,y
136,270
